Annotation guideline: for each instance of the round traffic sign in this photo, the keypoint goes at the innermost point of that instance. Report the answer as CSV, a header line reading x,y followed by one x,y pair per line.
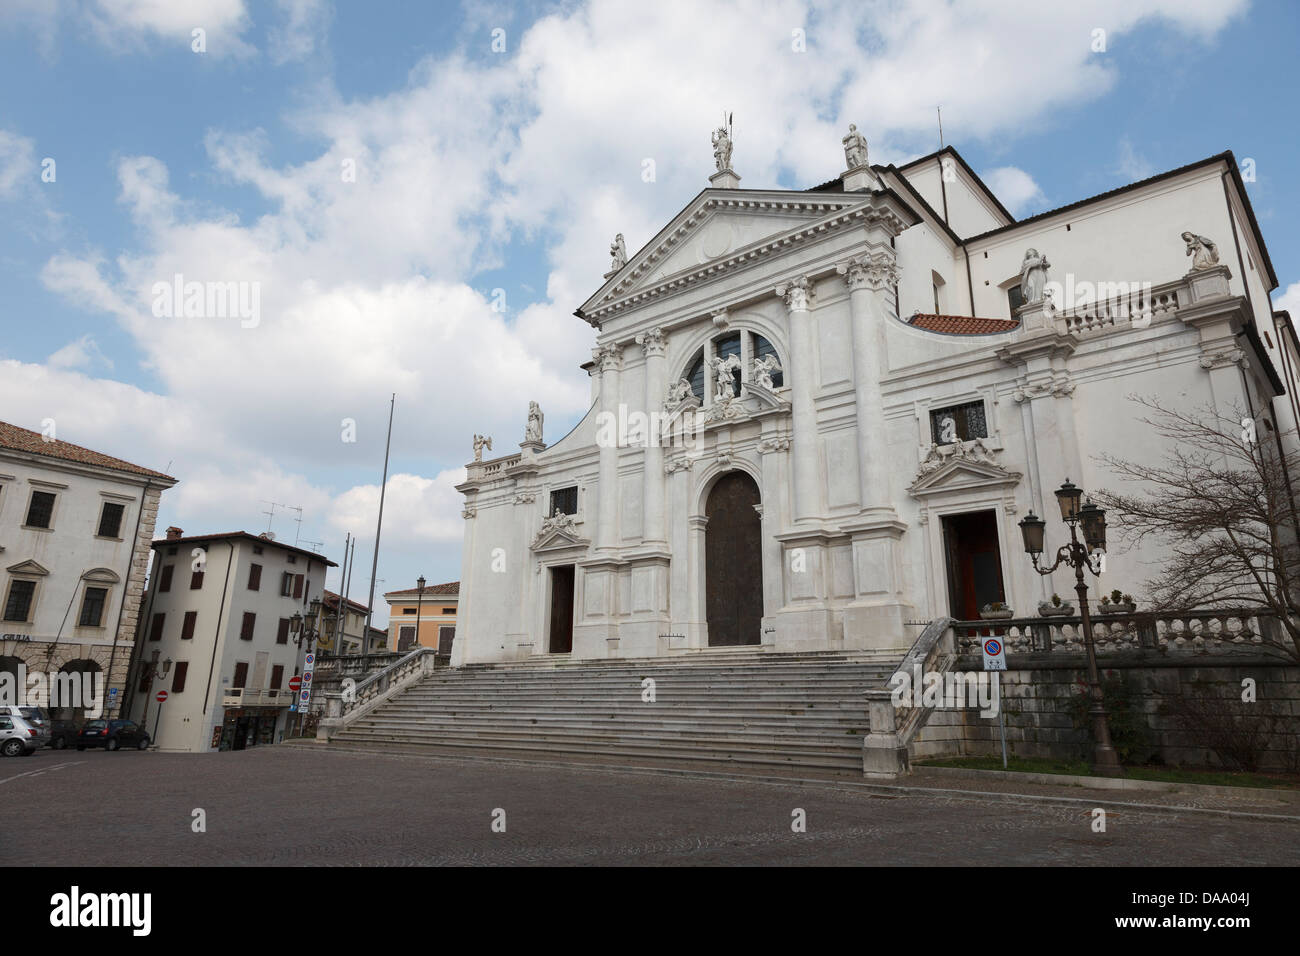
x,y
992,647
294,684
161,696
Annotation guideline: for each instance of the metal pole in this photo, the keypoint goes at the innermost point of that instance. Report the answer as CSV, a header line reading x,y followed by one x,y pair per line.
x,y
157,718
1105,761
379,527
1002,724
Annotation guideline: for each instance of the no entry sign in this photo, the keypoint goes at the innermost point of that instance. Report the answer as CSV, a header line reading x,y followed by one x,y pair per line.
x,y
295,683
161,696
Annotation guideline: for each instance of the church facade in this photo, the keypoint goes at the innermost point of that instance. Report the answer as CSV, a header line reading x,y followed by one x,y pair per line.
x,y
818,416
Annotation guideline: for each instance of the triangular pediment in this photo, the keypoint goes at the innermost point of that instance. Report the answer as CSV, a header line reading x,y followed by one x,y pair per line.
x,y
960,469
26,567
721,228
558,532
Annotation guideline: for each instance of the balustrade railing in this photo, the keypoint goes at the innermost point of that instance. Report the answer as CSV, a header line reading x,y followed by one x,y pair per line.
x,y
1170,632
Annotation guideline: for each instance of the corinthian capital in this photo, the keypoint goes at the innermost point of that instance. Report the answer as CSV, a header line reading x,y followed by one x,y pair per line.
x,y
652,342
797,293
874,270
607,357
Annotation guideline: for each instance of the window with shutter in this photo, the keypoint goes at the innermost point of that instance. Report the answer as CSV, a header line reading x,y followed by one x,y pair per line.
x,y
282,635
165,581
156,628
241,674
277,675
297,585
178,676
255,577
246,630
196,580
187,626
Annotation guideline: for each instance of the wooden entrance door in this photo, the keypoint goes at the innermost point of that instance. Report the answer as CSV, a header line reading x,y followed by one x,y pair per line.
x,y
974,563
561,641
733,562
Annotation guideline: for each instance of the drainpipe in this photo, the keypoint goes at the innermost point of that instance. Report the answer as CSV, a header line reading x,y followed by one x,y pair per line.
x,y
216,635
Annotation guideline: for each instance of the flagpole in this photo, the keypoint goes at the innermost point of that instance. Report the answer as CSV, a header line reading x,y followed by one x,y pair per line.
x,y
379,527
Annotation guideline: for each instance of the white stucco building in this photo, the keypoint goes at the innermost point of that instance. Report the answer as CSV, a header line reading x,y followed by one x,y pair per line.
x,y
75,527
855,406
217,635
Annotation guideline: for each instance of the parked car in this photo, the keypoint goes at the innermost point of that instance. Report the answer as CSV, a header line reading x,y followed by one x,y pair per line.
x,y
35,716
63,733
18,737
112,734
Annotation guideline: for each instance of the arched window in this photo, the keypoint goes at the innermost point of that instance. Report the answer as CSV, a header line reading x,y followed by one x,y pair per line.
x,y
746,347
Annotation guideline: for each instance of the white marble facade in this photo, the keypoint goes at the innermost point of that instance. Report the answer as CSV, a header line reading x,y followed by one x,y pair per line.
x,y
812,296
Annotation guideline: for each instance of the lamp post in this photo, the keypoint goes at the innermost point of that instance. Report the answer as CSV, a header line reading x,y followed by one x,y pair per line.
x,y
419,607
1078,555
148,671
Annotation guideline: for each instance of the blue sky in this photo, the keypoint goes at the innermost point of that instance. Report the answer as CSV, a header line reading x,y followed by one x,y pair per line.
x,y
482,170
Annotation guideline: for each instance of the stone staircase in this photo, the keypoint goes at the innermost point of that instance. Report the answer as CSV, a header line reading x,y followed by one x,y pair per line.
x,y
737,710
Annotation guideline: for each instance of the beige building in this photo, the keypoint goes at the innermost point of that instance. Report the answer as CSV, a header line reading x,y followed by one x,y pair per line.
x,y
429,618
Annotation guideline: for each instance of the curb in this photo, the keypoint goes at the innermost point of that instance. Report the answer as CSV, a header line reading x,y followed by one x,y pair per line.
x,y
1113,783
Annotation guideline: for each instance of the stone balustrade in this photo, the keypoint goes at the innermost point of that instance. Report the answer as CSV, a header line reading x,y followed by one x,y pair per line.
x,y
489,470
343,707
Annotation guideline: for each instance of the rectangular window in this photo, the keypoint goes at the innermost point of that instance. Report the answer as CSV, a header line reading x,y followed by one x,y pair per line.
x,y
405,635
187,626
958,423
246,629
255,577
1015,299
449,610
178,676
293,559
92,607
165,582
257,549
297,585
277,675
41,509
196,580
19,606
286,584
241,674
445,637
409,610
565,500
110,520
282,634
156,626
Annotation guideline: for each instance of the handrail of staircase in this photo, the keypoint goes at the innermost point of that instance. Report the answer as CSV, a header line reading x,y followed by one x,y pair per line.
x,y
346,707
884,754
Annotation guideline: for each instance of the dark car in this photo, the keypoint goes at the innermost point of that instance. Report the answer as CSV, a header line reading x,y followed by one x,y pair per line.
x,y
112,734
63,733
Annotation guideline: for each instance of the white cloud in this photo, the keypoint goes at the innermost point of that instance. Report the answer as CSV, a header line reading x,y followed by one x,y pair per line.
x,y
125,25
79,353
1289,301
1015,188
18,168
1131,165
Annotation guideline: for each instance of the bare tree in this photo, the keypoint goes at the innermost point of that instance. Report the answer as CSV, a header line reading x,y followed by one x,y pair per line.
x,y
1222,502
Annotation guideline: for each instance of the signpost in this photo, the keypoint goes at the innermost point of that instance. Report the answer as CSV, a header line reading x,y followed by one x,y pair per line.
x,y
995,660
161,697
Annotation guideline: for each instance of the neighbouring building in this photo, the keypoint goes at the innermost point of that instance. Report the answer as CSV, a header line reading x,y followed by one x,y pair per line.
x,y
218,634
818,415
434,615
353,626
75,527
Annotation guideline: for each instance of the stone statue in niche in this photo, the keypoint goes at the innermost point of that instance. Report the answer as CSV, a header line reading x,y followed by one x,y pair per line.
x,y
722,148
679,392
762,371
1033,276
726,382
947,430
617,253
855,148
479,444
1204,253
533,431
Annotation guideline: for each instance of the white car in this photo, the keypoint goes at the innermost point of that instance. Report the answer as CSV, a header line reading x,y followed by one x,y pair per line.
x,y
35,716
18,737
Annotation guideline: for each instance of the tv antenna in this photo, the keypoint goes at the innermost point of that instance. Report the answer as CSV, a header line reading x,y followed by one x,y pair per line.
x,y
271,512
298,532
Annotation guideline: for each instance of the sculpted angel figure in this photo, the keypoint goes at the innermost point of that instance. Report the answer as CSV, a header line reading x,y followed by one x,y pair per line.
x,y
722,369
679,391
617,253
763,369
479,444
855,148
1204,253
1033,276
722,149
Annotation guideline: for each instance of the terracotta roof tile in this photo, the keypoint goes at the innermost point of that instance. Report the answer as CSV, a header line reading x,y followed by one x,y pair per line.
x,y
451,587
332,600
961,324
33,443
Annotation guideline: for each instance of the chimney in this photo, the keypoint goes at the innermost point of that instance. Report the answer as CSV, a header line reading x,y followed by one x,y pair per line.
x,y
173,533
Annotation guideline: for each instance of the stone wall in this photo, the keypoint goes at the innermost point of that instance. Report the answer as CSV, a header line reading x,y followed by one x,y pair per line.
x,y
1037,691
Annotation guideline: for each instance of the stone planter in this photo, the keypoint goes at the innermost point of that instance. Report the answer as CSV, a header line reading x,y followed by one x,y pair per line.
x,y
1002,615
1052,610
1116,608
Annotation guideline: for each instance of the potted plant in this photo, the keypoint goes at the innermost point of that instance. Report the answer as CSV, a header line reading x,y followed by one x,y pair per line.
x,y
1117,602
997,611
1055,607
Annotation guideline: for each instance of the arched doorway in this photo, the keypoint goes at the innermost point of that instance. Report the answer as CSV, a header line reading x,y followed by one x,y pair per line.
x,y
733,562
80,693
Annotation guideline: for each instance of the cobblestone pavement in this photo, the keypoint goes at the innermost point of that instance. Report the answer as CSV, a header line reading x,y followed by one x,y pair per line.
x,y
296,806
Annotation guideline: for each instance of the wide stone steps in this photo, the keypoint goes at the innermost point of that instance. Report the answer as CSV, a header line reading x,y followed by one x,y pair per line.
x,y
721,709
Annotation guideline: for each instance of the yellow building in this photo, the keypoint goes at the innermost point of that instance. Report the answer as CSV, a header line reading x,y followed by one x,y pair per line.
x,y
429,618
